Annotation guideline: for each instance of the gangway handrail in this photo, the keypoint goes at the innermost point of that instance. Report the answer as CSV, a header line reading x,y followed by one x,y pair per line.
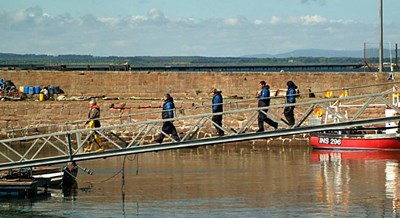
x,y
65,124
313,102
70,148
193,143
321,101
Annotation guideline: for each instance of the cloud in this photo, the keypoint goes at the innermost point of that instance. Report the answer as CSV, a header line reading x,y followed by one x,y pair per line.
x,y
35,31
232,21
153,17
320,2
154,14
110,21
258,22
313,19
188,22
20,16
274,20
303,20
30,15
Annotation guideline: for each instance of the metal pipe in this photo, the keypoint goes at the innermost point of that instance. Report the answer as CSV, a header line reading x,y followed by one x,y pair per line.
x,y
381,37
397,58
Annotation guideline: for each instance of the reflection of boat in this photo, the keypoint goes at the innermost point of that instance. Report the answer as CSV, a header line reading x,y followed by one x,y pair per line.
x,y
355,141
26,182
328,155
49,176
340,172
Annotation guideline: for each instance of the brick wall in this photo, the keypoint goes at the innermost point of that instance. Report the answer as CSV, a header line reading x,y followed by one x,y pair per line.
x,y
183,84
189,88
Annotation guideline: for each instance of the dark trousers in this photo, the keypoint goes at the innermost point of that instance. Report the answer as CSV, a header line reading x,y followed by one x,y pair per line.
x,y
217,119
289,114
168,128
263,118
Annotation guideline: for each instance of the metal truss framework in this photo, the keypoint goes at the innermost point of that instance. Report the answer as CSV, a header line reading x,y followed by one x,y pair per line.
x,y
239,125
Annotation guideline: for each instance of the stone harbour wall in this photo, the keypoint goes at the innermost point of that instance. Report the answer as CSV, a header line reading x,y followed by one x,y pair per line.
x,y
184,84
122,93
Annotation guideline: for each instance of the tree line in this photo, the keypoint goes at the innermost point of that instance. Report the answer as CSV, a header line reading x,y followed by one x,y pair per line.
x,y
147,61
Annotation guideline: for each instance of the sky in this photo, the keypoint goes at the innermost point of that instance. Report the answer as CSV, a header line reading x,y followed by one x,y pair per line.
x,y
213,28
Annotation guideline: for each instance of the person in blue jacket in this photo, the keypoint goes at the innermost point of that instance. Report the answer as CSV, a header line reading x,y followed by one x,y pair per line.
x,y
168,113
291,94
217,107
264,101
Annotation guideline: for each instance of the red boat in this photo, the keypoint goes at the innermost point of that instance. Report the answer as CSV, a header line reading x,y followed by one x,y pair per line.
x,y
361,137
335,141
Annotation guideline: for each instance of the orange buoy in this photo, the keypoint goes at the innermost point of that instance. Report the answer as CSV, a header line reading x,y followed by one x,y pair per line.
x,y
343,93
328,93
318,112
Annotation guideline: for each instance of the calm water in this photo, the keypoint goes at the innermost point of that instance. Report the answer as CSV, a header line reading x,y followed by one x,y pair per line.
x,y
228,181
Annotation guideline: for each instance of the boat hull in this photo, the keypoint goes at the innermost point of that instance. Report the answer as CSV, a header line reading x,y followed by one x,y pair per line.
x,y
354,142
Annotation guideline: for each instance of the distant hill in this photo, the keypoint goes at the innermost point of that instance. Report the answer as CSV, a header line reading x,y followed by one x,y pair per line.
x,y
370,53
301,56
313,53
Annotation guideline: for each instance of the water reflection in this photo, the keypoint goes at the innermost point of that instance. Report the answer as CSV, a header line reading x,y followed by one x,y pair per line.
x,y
393,184
234,181
69,185
344,173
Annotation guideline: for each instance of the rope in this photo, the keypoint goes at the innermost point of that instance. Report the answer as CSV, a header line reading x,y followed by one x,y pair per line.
x,y
122,170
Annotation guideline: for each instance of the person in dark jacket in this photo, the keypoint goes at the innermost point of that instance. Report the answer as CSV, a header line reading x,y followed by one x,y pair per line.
x,y
264,101
291,94
217,107
168,126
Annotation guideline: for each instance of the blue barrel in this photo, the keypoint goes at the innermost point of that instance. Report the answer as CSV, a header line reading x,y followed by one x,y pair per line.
x,y
26,89
36,89
51,90
31,90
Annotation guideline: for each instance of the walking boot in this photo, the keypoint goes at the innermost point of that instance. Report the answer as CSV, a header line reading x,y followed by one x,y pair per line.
x,y
159,139
99,143
176,138
101,148
89,147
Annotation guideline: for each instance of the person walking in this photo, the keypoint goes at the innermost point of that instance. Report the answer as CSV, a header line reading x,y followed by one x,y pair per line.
x,y
264,101
168,126
291,94
217,107
94,122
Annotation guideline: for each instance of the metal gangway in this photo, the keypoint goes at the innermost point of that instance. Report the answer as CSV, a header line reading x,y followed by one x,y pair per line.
x,y
134,136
